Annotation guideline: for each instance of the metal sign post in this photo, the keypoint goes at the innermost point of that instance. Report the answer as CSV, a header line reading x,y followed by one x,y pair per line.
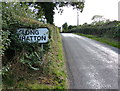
x,y
42,53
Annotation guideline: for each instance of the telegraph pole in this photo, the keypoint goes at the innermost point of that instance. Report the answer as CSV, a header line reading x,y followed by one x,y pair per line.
x,y
77,17
119,11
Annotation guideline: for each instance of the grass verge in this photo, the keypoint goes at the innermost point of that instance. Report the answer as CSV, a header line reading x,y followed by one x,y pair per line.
x,y
108,41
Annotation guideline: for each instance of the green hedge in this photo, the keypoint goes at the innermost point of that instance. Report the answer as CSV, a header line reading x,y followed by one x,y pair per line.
x,y
20,59
110,30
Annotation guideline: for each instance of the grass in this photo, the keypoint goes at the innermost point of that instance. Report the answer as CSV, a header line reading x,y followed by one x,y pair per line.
x,y
58,65
105,40
39,86
62,64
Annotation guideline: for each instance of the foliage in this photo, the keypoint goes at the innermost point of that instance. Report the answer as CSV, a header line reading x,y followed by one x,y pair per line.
x,y
40,9
48,8
21,61
12,20
70,27
76,5
102,39
109,30
65,27
99,19
5,42
14,15
18,8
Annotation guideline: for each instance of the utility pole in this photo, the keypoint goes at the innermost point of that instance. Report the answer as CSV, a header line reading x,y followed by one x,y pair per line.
x,y
77,17
119,11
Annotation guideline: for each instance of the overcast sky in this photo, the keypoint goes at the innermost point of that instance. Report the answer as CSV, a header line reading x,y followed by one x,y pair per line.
x,y
106,8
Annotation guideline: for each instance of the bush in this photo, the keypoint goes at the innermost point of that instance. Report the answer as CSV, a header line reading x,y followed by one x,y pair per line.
x,y
110,30
19,59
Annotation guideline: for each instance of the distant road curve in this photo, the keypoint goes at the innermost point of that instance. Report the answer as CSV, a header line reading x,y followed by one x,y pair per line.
x,y
90,64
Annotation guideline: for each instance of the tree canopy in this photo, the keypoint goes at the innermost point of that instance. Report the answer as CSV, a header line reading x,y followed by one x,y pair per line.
x,y
48,8
65,27
37,10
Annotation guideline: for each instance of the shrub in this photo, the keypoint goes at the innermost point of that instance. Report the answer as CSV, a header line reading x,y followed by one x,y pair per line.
x,y
110,30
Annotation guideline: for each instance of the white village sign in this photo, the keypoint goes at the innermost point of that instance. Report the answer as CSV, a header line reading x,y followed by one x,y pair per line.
x,y
39,35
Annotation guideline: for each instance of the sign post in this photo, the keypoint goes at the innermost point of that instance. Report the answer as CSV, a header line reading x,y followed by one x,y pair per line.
x,y
42,53
39,35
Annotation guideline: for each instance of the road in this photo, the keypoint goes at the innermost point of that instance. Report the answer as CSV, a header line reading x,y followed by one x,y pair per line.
x,y
90,64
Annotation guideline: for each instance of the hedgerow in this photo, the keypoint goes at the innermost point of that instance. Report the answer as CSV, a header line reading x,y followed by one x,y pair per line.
x,y
109,30
21,61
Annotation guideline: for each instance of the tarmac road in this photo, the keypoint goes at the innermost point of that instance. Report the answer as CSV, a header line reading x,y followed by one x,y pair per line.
x,y
90,64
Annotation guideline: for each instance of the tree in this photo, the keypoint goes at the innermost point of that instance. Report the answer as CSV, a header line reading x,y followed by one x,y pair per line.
x,y
70,27
48,8
97,18
17,8
43,8
76,5
12,10
65,27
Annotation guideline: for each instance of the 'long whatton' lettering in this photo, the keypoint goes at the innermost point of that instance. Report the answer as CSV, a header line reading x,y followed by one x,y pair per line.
x,y
43,37
39,35
31,32
31,38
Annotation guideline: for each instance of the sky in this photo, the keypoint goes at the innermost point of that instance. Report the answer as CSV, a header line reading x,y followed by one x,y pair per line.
x,y
107,8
